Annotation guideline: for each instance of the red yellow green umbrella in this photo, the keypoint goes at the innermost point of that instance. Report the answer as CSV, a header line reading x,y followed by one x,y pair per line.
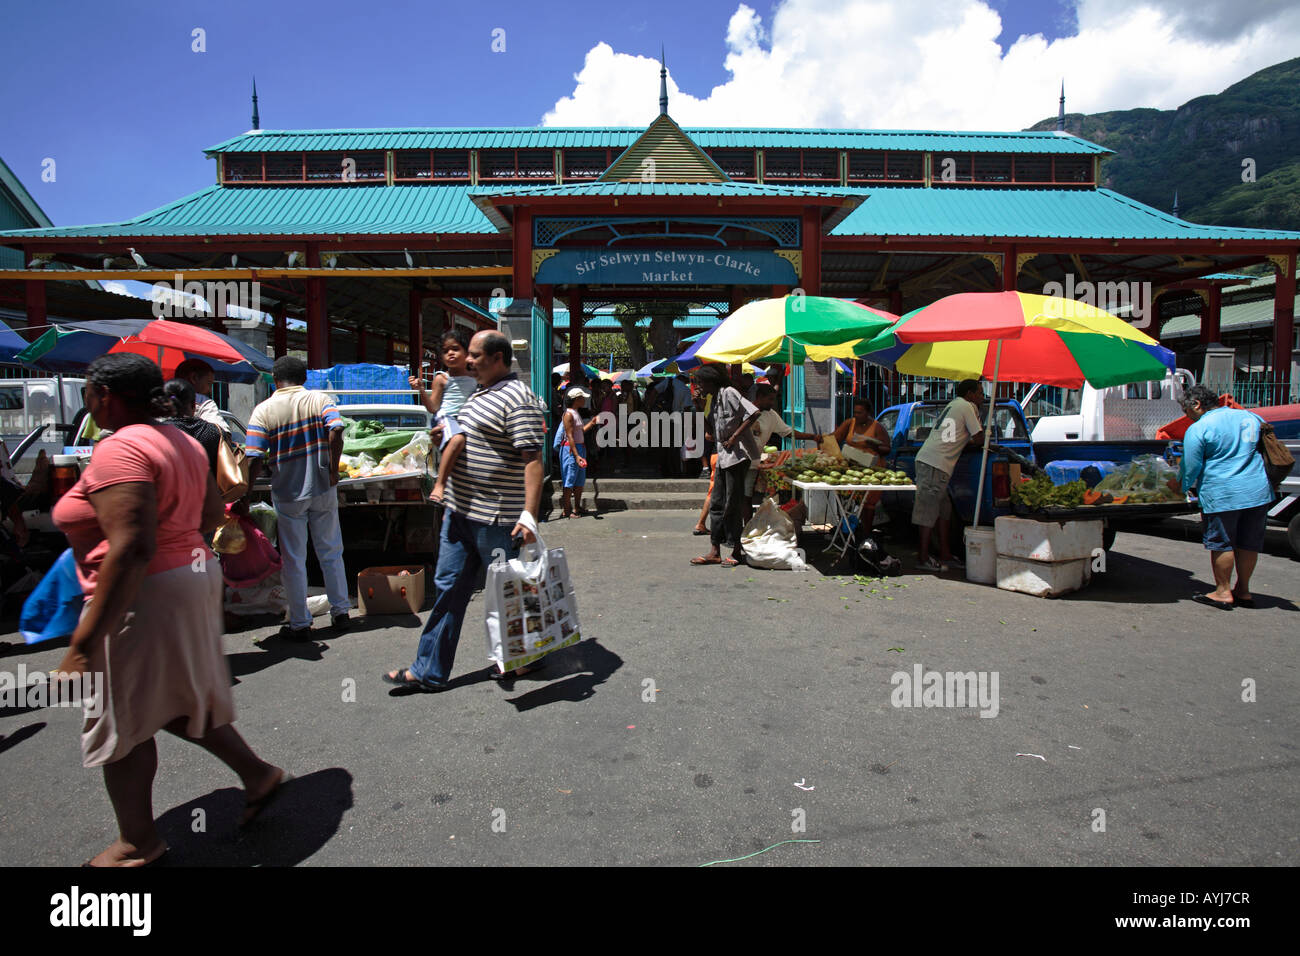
x,y
1019,337
1043,339
795,328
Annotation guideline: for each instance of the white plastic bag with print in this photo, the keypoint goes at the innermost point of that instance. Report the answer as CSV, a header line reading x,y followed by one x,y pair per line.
x,y
531,610
769,540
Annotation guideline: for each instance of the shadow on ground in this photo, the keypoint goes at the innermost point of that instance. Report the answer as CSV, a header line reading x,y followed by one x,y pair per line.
x,y
298,824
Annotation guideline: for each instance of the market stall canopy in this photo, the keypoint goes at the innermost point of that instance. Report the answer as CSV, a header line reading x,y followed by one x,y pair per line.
x,y
1044,339
11,343
71,346
796,328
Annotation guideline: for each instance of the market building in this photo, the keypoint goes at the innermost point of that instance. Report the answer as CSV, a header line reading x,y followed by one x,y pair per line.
x,y
376,239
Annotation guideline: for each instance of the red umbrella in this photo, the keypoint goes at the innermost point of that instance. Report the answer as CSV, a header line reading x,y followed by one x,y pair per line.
x,y
167,342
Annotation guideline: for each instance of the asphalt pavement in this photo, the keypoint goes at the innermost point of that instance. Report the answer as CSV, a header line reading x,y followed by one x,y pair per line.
x,y
711,713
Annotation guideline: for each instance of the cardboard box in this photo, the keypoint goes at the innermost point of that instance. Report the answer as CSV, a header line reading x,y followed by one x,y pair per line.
x,y
1043,578
388,591
1047,540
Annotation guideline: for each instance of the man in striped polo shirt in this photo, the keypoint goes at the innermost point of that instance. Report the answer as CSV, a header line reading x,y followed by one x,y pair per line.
x,y
299,435
495,466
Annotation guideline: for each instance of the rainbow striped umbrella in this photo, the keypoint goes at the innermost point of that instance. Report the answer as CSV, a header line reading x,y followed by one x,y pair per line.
x,y
1019,337
1042,338
794,328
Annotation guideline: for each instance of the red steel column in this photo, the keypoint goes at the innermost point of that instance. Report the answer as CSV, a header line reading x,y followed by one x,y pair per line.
x,y
361,343
1010,270
388,350
318,330
1283,330
1210,327
415,334
811,280
34,296
522,249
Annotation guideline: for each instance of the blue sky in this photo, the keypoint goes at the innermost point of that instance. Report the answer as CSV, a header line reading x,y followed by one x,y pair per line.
x,y
115,95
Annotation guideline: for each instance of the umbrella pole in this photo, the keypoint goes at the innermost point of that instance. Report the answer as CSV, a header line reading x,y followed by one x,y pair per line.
x,y
984,458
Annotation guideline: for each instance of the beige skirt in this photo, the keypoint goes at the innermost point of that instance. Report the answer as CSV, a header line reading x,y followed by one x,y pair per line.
x,y
165,662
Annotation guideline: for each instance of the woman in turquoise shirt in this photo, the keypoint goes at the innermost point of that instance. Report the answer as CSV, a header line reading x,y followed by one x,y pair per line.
x,y
1222,465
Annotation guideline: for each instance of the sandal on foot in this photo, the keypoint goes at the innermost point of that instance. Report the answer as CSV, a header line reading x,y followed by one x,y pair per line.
x,y
731,562
410,682
706,560
253,808
1206,599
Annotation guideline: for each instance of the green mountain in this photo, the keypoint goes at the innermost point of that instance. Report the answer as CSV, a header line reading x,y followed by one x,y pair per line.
x,y
1199,150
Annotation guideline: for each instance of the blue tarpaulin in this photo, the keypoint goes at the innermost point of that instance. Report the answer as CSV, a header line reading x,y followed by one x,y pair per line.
x,y
385,378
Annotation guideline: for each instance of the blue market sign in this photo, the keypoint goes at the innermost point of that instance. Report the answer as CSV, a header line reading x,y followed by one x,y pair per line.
x,y
665,267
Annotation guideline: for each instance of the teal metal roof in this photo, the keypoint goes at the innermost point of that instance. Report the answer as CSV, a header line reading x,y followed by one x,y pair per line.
x,y
1029,213
298,210
506,190
449,210
621,137
1232,318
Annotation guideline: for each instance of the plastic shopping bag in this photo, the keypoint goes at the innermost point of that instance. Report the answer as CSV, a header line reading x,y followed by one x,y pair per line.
x,y
531,609
769,540
54,608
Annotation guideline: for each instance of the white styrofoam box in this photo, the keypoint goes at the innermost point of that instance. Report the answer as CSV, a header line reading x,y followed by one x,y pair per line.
x,y
1043,578
1047,540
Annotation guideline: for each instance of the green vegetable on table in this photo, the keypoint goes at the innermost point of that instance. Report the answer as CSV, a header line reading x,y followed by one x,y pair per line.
x,y
1039,492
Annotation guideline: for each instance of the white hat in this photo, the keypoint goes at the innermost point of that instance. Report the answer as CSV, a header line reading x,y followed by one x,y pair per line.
x,y
576,391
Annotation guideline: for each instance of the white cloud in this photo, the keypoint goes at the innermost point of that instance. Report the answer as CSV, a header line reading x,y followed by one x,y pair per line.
x,y
881,64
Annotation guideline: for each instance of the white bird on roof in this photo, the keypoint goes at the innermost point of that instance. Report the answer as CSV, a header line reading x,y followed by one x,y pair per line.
x,y
410,263
139,259
108,262
293,258
234,260
38,261
331,261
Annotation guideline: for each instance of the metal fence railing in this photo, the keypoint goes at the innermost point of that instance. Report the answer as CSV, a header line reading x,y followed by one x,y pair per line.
x,y
1255,392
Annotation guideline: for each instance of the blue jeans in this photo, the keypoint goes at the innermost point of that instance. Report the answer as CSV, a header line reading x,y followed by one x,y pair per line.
x,y
321,515
465,546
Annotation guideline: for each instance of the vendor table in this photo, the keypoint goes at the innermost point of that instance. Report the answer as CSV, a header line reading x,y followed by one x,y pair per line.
x,y
846,501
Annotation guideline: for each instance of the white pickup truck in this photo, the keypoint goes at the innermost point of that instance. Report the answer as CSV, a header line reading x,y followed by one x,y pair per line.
x,y
387,512
1120,423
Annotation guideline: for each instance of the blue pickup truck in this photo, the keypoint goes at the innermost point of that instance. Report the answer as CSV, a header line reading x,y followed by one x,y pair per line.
x,y
910,424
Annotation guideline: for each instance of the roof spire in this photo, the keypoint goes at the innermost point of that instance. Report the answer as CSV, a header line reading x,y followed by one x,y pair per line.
x,y
663,83
257,123
1060,112
1175,203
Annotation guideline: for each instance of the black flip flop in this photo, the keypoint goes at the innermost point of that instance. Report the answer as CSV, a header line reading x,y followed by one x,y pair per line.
x,y
410,684
1248,603
264,801
697,532
1203,599
524,671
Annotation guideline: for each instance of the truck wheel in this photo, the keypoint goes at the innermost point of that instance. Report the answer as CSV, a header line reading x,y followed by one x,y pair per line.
x,y
1293,534
1107,537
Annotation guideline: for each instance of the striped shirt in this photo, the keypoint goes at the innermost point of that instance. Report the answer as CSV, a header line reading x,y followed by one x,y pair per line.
x,y
500,423
291,430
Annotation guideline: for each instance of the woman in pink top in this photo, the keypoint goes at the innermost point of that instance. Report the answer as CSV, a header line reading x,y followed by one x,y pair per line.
x,y
151,629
